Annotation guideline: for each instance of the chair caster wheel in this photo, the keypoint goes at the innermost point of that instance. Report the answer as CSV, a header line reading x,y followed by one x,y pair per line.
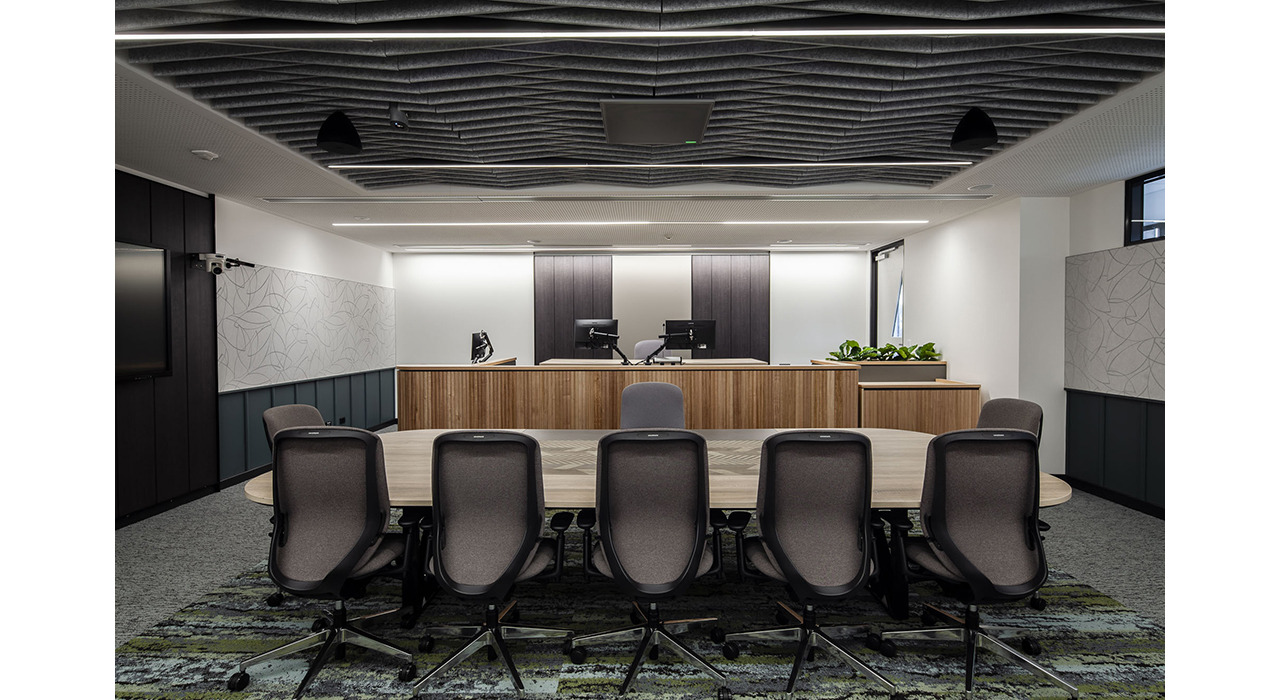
x,y
781,616
408,672
731,650
1031,646
426,644
653,653
491,653
928,618
872,641
723,694
578,655
888,649
1037,603
717,635
275,599
636,617
407,622
512,617
238,681
319,624
809,657
340,654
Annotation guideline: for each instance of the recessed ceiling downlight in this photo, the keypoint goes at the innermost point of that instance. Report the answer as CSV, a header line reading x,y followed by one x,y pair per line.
x,y
979,188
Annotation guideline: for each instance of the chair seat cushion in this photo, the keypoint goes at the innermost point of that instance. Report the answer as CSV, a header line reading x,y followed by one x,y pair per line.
x,y
602,562
921,553
387,549
543,554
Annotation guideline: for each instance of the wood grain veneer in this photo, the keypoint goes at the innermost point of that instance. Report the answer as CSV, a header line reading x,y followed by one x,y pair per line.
x,y
588,397
930,407
897,458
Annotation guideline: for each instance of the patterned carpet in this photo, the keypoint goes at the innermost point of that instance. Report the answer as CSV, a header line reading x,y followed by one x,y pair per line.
x,y
1105,649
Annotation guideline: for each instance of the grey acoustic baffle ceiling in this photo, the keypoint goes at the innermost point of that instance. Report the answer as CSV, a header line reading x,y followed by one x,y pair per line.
x,y
489,101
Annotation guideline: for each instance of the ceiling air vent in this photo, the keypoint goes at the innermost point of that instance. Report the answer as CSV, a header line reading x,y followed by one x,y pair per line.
x,y
655,121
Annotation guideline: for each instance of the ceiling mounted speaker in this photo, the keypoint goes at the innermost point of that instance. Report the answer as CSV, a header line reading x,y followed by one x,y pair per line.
x,y
339,135
975,131
655,121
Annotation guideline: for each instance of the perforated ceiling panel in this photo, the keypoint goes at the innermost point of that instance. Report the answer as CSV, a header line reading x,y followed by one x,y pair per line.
x,y
491,101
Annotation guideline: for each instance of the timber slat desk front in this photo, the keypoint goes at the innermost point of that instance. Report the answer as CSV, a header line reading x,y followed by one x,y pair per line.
x,y
585,395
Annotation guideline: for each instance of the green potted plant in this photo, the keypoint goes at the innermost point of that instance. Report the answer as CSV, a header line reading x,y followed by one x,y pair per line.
x,y
852,351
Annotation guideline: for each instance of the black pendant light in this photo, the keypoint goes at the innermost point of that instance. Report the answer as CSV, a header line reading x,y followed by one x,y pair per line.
x,y
975,131
339,135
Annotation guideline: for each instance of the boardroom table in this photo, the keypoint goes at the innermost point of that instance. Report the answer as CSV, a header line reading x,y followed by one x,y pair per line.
x,y
568,478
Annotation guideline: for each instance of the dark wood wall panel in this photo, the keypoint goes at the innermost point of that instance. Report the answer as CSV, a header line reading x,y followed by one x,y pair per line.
x,y
568,287
167,426
734,291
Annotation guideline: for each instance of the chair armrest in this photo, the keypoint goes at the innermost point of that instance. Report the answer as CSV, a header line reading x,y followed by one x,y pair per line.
x,y
561,521
897,519
587,518
738,520
718,519
1044,527
414,517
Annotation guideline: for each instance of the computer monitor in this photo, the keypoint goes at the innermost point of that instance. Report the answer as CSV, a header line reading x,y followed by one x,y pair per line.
x,y
691,334
595,333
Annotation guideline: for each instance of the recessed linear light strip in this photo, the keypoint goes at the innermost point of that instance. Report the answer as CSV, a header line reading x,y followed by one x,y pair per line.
x,y
653,166
832,247
475,199
626,223
635,34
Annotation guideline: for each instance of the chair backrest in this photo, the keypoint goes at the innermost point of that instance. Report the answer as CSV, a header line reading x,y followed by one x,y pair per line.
x,y
980,507
294,415
1012,413
813,506
644,347
653,508
652,405
487,509
329,494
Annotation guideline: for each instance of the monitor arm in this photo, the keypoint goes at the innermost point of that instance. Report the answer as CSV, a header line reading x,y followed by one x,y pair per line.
x,y
485,346
688,334
609,339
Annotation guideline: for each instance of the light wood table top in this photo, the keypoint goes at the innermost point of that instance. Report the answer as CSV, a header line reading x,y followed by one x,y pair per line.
x,y
569,460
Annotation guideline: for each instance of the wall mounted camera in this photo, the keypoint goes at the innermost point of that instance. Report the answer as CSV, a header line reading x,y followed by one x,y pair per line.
x,y
216,263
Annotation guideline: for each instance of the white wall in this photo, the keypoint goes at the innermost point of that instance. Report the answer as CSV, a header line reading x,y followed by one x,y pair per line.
x,y
442,299
648,290
963,294
816,302
265,239
1045,230
1097,219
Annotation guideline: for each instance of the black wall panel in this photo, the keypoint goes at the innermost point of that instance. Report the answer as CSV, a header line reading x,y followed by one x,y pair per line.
x,y
568,287
734,291
1117,443
166,426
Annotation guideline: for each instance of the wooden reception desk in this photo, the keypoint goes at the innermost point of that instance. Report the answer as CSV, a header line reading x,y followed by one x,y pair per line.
x,y
585,395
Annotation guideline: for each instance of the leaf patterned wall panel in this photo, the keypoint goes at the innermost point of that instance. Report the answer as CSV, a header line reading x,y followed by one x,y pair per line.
x,y
1115,321
279,326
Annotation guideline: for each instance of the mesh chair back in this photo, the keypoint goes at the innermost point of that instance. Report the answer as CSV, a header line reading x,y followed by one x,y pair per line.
x,y
652,503
331,506
644,347
487,509
294,415
652,405
1012,413
979,509
814,504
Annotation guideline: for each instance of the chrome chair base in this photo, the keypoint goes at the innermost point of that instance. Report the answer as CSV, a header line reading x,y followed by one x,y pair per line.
x,y
810,635
975,637
493,633
653,632
330,640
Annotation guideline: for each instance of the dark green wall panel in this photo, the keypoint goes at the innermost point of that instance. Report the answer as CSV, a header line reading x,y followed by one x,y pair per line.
x,y
231,448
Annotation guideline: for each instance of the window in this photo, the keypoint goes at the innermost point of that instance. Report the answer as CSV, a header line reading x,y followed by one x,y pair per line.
x,y
1144,208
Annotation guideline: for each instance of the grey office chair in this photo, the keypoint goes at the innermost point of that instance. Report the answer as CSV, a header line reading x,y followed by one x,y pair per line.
x,y
275,419
652,405
814,506
1019,415
645,347
329,496
652,500
979,511
1016,414
487,506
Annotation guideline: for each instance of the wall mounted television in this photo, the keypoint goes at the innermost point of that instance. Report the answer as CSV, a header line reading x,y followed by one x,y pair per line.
x,y
143,333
